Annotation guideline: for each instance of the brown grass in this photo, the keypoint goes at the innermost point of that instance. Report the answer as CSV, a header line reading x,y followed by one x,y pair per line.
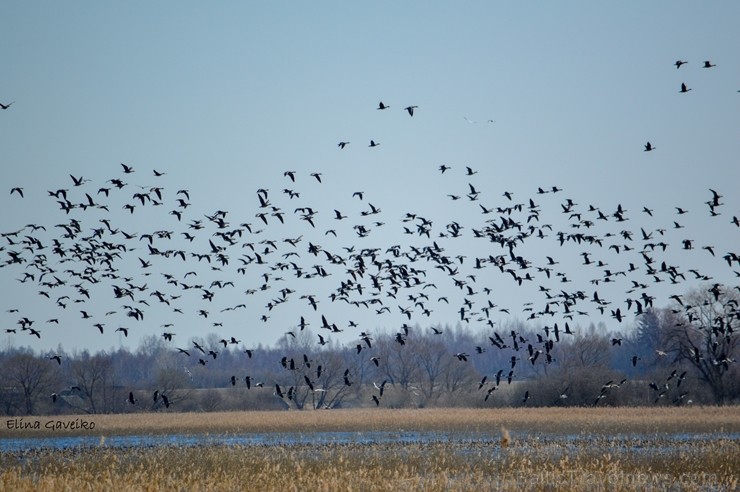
x,y
606,421
536,456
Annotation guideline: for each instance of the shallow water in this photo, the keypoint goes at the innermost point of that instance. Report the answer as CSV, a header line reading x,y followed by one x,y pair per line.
x,y
615,443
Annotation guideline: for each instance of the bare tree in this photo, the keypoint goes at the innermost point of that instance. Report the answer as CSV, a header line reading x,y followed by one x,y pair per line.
x,y
398,364
31,380
704,335
170,381
93,376
581,375
585,351
432,359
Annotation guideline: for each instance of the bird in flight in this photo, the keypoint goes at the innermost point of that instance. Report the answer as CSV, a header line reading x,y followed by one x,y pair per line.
x,y
78,181
679,63
6,106
17,190
684,88
410,109
342,145
709,64
382,106
649,147
373,143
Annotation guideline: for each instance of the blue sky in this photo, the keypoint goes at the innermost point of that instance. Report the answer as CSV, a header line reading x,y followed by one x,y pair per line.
x,y
224,98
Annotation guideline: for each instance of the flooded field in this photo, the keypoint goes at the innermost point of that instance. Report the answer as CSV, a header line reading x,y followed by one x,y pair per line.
x,y
536,449
655,443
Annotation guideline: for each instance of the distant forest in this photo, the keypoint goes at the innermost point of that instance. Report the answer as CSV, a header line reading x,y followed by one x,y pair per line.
x,y
674,356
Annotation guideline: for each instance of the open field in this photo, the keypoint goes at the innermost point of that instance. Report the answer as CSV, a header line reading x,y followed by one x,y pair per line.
x,y
602,421
517,449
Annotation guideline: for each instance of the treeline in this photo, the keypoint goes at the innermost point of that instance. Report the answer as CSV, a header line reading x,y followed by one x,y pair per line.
x,y
661,361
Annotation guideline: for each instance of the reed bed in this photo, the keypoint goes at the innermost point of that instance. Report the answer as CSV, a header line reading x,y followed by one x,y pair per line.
x,y
701,465
521,449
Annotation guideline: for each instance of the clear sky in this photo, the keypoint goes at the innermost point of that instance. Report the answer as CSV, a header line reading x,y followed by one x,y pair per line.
x,y
226,97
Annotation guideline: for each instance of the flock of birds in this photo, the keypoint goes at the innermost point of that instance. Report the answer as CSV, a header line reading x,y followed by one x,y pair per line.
x,y
194,265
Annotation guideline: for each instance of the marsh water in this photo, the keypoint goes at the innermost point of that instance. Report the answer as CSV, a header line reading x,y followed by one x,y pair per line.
x,y
615,443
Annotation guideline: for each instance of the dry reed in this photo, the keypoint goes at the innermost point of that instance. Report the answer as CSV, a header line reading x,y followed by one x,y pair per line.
x,y
537,457
606,421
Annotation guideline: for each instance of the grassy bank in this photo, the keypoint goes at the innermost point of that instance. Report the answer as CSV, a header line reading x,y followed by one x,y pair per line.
x,y
604,421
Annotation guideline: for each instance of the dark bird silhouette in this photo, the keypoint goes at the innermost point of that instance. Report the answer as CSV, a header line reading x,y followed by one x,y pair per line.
x,y
342,145
6,106
708,64
17,190
649,147
410,109
382,106
684,88
373,143
78,181
679,63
